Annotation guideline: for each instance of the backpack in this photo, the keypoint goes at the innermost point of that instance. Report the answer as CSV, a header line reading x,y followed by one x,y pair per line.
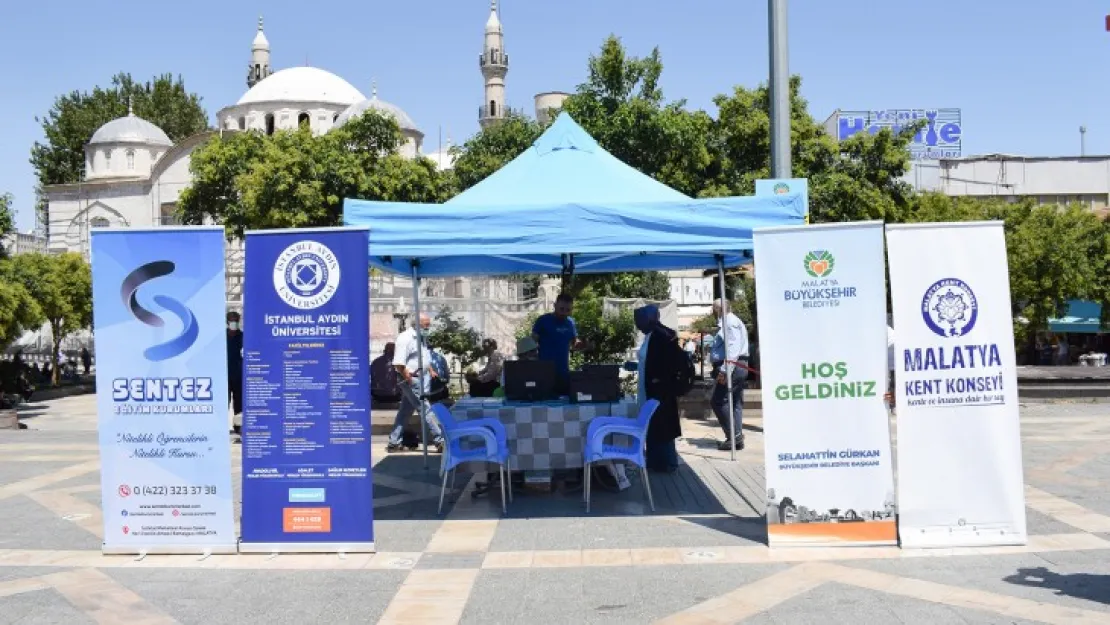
x,y
686,374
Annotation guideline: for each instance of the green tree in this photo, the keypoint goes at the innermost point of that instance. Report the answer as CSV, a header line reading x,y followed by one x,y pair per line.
x,y
7,221
19,312
609,335
1056,254
493,148
70,123
61,286
451,335
296,179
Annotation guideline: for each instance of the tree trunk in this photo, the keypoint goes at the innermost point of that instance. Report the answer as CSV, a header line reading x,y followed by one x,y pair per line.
x,y
56,346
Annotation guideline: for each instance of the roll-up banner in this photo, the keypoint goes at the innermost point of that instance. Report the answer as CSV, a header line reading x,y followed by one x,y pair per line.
x,y
161,390
821,295
960,477
307,485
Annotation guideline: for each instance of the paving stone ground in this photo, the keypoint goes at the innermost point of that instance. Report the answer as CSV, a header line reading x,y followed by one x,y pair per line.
x,y
700,558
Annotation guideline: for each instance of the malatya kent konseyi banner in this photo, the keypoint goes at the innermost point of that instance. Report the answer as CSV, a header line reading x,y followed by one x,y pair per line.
x,y
821,295
306,419
959,441
161,390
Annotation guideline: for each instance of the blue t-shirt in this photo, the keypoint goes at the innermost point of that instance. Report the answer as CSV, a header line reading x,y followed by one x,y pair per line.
x,y
555,338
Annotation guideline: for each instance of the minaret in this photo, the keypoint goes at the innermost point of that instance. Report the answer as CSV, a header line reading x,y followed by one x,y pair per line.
x,y
494,64
260,57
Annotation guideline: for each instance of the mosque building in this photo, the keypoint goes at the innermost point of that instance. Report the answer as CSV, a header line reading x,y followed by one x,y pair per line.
x,y
134,173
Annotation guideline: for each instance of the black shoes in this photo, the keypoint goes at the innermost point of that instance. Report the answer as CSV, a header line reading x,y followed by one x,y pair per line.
x,y
725,445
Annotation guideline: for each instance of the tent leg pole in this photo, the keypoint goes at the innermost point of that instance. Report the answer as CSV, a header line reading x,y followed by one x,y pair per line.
x,y
725,366
420,361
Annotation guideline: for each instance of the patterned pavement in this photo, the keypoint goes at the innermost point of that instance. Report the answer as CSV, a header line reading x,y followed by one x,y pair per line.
x,y
699,559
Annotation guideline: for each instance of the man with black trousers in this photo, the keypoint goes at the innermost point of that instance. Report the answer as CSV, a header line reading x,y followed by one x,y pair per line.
x,y
235,366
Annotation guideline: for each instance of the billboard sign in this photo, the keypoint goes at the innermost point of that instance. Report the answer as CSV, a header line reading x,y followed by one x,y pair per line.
x,y
942,136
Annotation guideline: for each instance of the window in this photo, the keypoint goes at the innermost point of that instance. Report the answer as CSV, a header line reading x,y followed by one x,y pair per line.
x,y
169,215
107,160
304,120
335,118
99,222
269,123
131,160
492,108
242,123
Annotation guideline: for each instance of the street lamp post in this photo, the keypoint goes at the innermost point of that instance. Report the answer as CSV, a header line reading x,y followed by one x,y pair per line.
x,y
780,89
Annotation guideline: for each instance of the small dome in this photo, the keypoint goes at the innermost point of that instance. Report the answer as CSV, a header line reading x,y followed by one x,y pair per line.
x,y
358,108
130,129
302,84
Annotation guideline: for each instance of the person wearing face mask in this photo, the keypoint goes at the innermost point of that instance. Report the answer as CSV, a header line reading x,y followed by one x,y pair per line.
x,y
235,366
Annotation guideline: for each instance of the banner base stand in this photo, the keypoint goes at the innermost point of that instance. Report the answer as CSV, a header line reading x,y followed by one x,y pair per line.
x,y
949,541
168,550
278,548
830,545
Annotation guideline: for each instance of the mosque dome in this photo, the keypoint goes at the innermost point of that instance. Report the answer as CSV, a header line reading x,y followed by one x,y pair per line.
x,y
386,108
302,84
130,129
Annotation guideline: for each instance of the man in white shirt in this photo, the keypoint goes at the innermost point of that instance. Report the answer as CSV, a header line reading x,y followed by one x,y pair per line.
x,y
413,385
730,360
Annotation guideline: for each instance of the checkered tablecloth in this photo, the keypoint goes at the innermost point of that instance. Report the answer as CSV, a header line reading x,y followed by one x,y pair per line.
x,y
545,436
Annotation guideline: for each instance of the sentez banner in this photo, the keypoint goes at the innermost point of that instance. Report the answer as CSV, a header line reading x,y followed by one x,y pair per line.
x,y
161,390
959,441
306,420
821,294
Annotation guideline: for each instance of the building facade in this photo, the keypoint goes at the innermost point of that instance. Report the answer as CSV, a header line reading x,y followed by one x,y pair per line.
x,y
1043,179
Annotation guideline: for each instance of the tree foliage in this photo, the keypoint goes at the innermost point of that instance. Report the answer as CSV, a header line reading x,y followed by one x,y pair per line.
x,y
493,148
60,286
292,179
450,334
7,221
71,121
609,335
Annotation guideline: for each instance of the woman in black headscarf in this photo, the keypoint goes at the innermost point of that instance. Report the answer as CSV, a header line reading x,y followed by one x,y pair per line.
x,y
660,368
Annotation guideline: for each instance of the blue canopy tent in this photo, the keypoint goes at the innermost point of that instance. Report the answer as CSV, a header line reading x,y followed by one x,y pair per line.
x,y
565,205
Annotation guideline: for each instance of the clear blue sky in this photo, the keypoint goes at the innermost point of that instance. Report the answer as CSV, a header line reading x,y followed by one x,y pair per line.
x,y
1026,73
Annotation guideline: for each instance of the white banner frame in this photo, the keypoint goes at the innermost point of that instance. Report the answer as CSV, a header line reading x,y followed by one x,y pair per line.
x,y
960,476
830,475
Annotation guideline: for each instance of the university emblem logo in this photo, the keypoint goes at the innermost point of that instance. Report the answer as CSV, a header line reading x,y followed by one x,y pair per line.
x,y
306,275
949,308
819,263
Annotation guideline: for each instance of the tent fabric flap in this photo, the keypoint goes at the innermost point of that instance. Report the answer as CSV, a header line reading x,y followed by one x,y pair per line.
x,y
455,239
1083,317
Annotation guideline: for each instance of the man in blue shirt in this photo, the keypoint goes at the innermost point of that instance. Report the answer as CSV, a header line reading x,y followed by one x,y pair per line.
x,y
557,335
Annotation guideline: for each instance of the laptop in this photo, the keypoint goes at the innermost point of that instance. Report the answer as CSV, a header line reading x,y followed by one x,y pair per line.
x,y
529,380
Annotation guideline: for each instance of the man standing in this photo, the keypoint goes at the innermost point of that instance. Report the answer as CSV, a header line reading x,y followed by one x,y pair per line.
x,y
86,359
414,385
557,335
235,367
660,365
729,360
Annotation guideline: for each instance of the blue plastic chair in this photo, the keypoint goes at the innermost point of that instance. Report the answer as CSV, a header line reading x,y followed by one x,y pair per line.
x,y
598,451
494,448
